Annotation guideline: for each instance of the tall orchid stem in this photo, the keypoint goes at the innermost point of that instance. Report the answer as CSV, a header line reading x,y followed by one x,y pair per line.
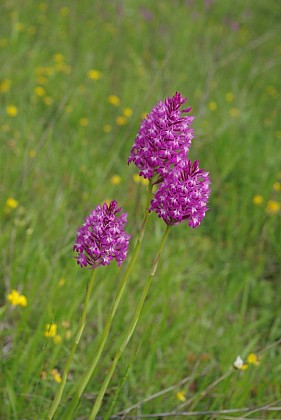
x,y
122,285
81,327
131,329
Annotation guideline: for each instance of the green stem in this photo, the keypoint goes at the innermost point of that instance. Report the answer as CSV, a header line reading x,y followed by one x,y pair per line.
x,y
131,329
146,213
123,282
81,327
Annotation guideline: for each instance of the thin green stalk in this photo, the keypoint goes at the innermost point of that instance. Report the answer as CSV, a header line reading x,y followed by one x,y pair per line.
x,y
121,383
131,329
81,327
123,282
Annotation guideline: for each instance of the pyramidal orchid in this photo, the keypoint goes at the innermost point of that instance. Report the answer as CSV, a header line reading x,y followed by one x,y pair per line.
x,y
183,195
102,237
164,138
178,192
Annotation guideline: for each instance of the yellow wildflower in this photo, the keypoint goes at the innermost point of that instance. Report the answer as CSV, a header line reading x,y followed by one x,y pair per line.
x,y
83,122
56,375
229,96
49,71
127,112
15,298
51,330
234,112
57,339
272,207
19,26
213,106
277,186
107,128
48,100
64,11
140,180
22,301
11,110
257,200
94,74
144,115
120,120
39,91
44,71
136,178
58,58
32,153
61,281
180,396
253,359
64,68
12,203
113,100
5,86
144,181
115,180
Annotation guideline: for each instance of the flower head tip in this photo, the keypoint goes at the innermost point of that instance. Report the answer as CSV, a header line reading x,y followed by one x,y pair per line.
x,y
164,138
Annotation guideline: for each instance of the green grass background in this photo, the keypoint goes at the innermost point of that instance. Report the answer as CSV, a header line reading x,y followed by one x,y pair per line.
x,y
217,290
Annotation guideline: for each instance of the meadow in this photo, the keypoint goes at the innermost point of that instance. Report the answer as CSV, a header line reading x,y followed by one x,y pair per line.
x,y
77,78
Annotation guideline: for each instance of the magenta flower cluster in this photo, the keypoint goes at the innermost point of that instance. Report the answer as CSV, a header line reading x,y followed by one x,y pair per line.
x,y
102,238
160,152
183,195
161,149
164,138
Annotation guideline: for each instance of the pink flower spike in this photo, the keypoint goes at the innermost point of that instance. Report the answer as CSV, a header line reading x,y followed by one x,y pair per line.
x,y
183,195
102,238
164,138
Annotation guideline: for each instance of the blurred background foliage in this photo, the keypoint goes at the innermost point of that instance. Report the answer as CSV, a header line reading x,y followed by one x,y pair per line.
x,y
76,80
